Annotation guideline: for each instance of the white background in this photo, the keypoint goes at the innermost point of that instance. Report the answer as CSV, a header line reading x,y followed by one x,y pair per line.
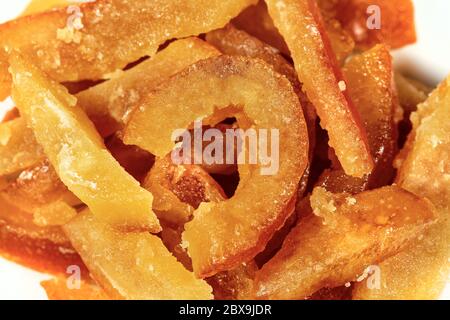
x,y
428,60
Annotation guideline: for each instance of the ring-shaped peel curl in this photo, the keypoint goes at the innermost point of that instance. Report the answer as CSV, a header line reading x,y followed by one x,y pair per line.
x,y
222,235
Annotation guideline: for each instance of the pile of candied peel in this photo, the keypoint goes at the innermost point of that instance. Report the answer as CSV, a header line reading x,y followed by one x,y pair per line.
x,y
338,186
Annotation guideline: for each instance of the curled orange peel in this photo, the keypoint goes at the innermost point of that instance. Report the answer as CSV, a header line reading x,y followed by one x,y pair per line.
x,y
223,235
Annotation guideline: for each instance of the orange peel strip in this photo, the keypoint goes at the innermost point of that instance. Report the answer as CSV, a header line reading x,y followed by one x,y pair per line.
x,y
77,152
223,235
232,41
95,40
110,103
424,266
132,265
300,22
106,104
370,83
344,236
256,21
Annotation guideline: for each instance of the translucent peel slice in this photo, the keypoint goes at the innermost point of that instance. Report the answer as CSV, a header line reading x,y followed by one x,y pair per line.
x,y
134,266
430,149
100,42
18,147
302,27
223,235
370,84
76,151
256,21
421,271
343,237
108,104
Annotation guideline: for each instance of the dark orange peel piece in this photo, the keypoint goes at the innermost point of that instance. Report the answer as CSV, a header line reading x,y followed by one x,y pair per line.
x,y
344,236
256,21
372,22
301,24
94,41
179,189
225,234
57,289
45,249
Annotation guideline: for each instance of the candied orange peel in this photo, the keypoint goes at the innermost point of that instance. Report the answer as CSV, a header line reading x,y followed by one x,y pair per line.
x,y
302,26
77,152
343,236
132,265
107,104
424,264
370,83
237,149
103,43
217,232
